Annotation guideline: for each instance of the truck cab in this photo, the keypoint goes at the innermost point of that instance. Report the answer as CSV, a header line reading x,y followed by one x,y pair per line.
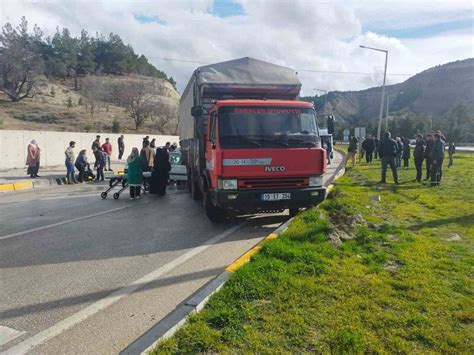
x,y
262,156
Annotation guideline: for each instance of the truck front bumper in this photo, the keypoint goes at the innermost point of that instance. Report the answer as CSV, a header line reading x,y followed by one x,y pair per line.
x,y
250,201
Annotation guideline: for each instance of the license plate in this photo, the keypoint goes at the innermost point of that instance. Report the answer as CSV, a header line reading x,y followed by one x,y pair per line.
x,y
276,196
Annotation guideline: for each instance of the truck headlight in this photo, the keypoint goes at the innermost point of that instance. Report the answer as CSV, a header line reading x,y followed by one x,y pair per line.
x,y
315,181
227,184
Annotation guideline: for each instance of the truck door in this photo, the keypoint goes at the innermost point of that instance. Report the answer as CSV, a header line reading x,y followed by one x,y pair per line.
x,y
211,144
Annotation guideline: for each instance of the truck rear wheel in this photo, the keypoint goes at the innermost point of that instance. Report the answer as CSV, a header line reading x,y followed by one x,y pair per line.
x,y
214,213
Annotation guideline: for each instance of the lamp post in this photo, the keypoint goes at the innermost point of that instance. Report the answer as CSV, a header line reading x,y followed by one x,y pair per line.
x,y
388,104
325,97
383,86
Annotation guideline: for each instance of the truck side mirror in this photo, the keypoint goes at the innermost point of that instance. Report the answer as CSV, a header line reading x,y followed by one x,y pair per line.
x,y
197,111
330,124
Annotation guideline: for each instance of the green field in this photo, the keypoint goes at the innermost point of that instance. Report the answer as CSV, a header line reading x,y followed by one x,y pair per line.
x,y
375,268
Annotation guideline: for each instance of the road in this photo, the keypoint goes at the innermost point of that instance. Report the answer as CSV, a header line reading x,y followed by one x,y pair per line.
x,y
81,275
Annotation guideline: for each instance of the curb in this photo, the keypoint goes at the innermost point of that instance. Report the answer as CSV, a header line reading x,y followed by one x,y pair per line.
x,y
169,325
20,185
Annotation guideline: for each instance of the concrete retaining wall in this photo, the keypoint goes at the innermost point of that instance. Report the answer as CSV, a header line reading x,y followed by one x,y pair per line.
x,y
13,145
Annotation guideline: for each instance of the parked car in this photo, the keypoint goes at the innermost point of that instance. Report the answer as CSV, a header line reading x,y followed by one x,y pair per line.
x,y
178,170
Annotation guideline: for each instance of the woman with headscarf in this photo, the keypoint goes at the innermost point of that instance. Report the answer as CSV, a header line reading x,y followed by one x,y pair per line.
x,y
135,173
160,174
33,159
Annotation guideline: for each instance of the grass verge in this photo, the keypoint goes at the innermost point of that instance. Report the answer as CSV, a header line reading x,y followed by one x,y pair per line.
x,y
375,268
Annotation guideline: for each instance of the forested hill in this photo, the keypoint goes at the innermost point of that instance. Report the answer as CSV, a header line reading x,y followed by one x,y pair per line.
x,y
64,55
440,97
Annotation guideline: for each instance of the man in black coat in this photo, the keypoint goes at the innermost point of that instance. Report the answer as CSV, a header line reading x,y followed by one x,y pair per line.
x,y
388,150
121,146
369,146
419,156
429,147
437,157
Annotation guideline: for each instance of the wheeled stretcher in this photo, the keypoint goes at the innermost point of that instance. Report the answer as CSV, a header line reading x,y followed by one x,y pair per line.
x,y
120,178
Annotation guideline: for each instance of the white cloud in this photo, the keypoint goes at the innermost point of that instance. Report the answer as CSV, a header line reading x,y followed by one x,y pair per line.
x,y
299,34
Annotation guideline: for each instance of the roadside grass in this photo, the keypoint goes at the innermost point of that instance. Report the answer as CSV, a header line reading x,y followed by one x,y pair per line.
x,y
402,281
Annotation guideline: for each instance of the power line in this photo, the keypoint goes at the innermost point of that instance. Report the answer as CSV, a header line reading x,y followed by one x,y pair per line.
x,y
298,70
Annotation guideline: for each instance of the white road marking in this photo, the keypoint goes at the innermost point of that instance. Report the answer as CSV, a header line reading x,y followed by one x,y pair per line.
x,y
8,334
58,328
64,222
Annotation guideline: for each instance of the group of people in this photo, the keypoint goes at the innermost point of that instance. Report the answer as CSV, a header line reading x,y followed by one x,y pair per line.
x,y
102,154
150,159
428,149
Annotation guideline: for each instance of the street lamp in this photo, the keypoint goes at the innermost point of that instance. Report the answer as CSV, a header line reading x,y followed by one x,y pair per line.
x,y
325,97
388,104
383,86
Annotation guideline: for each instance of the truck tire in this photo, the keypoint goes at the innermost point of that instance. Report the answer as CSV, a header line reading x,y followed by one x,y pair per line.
x,y
294,211
214,213
196,193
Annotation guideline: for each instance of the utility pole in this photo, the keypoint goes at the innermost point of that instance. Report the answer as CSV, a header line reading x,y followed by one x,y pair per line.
x,y
383,87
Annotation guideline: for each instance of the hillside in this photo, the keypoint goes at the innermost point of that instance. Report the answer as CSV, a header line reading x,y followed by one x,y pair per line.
x,y
432,93
58,107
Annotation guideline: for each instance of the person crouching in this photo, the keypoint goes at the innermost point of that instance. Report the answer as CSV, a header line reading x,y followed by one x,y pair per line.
x,y
135,173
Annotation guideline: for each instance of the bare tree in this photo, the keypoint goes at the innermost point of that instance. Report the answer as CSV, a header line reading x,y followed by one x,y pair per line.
x,y
20,63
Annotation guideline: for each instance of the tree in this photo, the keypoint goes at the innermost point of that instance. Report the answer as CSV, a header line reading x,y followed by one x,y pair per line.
x,y
20,62
138,99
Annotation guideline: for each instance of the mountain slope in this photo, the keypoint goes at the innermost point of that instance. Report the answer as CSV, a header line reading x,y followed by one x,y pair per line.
x,y
433,92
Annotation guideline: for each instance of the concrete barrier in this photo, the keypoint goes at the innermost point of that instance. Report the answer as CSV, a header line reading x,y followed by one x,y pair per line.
x,y
14,143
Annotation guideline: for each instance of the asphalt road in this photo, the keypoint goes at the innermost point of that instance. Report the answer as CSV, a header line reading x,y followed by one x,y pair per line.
x,y
84,275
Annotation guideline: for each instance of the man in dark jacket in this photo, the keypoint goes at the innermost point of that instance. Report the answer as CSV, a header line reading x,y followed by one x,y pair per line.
x,y
437,157
96,143
419,156
388,150
352,150
429,147
121,146
369,146
406,152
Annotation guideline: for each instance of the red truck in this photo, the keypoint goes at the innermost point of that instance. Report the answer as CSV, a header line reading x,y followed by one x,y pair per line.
x,y
248,144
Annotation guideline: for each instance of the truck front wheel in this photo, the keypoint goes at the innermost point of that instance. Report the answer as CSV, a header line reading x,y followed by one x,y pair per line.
x,y
214,213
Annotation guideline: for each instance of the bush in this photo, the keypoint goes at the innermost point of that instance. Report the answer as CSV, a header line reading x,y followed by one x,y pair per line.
x,y
115,126
52,92
79,102
69,102
88,127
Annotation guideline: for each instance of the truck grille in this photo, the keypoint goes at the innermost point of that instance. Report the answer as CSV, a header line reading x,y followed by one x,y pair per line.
x,y
273,183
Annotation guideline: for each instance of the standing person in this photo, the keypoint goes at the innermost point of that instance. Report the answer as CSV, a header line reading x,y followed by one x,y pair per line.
x,y
96,143
437,157
99,164
107,149
429,147
81,164
167,146
148,155
174,146
153,143
146,140
135,173
376,150
70,159
388,149
418,156
33,159
451,151
121,147
398,157
369,146
406,152
160,175
352,150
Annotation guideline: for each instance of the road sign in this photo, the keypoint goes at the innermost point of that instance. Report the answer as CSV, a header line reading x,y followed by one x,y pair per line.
x,y
359,132
346,134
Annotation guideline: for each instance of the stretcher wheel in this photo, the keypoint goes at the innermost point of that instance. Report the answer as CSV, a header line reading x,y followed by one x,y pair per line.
x,y
116,196
103,195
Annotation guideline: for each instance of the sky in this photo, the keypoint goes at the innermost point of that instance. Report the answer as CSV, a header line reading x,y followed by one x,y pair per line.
x,y
310,36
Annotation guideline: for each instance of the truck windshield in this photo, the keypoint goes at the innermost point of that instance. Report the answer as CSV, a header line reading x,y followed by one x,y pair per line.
x,y
267,127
